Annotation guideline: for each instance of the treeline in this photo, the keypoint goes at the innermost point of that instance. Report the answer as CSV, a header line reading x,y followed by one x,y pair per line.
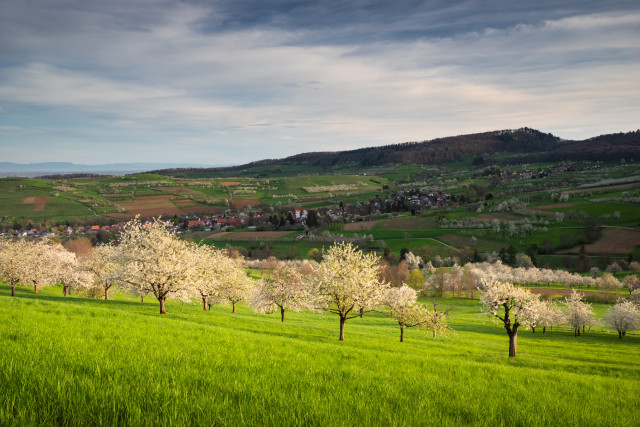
x,y
436,151
607,148
532,145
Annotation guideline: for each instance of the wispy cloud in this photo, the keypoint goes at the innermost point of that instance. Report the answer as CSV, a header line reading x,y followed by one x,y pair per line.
x,y
234,82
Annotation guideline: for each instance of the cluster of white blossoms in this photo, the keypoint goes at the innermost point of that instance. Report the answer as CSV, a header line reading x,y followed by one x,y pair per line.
x,y
38,263
515,307
150,259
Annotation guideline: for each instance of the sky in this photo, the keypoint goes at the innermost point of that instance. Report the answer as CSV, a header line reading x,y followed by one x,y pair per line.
x,y
233,81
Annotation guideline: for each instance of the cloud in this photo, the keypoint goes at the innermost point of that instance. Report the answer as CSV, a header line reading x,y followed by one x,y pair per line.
x,y
221,81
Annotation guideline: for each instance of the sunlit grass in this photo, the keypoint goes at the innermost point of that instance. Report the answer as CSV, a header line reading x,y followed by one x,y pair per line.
x,y
74,361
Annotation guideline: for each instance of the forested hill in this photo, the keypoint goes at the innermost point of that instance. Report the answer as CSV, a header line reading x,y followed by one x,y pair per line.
x,y
530,145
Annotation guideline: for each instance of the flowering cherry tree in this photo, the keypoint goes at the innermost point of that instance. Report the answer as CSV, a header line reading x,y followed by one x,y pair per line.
x,y
38,266
509,304
12,262
153,260
286,289
66,270
532,317
579,314
209,272
102,264
347,282
235,286
622,317
402,305
550,315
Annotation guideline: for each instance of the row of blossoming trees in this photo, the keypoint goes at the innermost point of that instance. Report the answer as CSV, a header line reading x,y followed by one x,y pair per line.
x,y
151,260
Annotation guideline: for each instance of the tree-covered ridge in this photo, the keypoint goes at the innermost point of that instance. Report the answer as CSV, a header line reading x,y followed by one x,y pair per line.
x,y
531,146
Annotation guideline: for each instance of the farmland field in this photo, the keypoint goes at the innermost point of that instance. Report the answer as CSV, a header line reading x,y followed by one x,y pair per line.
x,y
151,206
360,226
408,223
245,235
243,203
38,202
80,361
613,241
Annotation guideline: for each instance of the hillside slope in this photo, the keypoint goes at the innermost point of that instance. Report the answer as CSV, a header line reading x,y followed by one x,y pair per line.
x,y
530,145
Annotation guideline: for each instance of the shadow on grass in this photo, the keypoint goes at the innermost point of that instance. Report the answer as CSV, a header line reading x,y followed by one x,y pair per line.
x,y
26,293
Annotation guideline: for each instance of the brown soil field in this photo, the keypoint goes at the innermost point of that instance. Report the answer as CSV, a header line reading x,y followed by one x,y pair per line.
x,y
360,226
555,206
240,204
151,206
246,235
502,216
408,223
183,202
613,241
39,202
230,183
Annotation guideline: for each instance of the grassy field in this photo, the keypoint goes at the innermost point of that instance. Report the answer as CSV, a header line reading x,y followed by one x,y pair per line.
x,y
75,361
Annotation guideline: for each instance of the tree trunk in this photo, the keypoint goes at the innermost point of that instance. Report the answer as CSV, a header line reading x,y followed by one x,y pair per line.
x,y
544,330
233,304
434,332
533,329
142,299
13,289
282,314
620,334
35,288
204,303
162,310
513,342
361,313
343,319
401,334
106,293
65,290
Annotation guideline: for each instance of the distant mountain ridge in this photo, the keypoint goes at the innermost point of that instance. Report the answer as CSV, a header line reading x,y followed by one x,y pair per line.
x,y
530,145
34,169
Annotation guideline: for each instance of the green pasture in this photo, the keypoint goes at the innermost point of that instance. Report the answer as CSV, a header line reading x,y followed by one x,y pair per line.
x,y
75,361
63,207
296,185
403,172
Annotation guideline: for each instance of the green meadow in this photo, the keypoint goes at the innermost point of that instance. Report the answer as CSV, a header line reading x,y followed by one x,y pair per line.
x,y
77,361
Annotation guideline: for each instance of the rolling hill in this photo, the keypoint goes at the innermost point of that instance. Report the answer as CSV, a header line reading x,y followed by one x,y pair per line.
x,y
523,145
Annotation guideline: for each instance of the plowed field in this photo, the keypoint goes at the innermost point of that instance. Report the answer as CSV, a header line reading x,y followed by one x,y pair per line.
x,y
38,202
241,204
151,206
